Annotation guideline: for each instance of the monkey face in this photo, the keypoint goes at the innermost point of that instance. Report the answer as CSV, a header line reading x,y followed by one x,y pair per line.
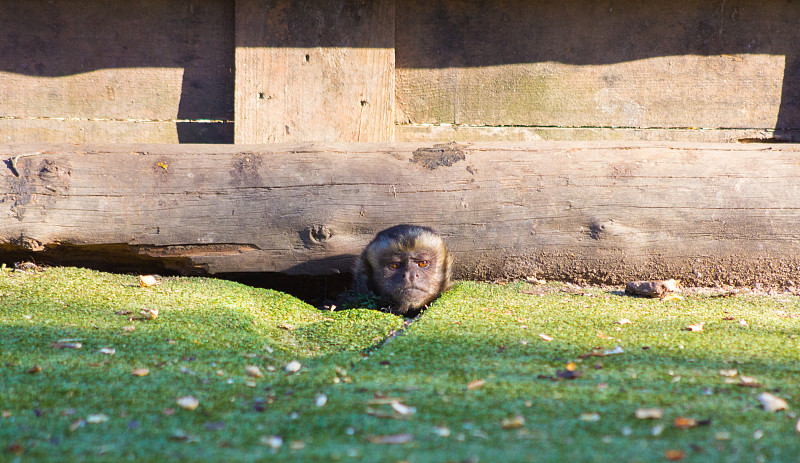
x,y
407,266
410,280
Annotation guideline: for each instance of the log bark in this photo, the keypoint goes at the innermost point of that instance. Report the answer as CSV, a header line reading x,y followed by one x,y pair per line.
x,y
599,212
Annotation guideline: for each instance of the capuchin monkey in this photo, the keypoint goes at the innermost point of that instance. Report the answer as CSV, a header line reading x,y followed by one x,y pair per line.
x,y
406,266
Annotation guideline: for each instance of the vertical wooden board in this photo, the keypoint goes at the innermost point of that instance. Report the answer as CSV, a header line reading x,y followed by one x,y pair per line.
x,y
598,64
136,66
314,71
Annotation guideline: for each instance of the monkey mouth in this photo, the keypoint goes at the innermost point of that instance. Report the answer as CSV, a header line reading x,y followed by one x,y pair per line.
x,y
411,297
412,290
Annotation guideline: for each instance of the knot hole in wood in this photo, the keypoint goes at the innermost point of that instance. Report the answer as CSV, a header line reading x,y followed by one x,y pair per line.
x,y
316,234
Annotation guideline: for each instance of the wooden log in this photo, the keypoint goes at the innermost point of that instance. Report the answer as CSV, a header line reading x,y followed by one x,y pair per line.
x,y
601,212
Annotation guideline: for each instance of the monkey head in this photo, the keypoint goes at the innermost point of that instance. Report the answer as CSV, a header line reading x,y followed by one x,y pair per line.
x,y
407,266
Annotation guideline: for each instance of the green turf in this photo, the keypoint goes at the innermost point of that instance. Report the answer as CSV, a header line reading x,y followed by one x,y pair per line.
x,y
208,331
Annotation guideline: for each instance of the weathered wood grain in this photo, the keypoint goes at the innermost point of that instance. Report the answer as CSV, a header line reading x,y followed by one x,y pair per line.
x,y
460,133
314,71
703,213
113,72
673,64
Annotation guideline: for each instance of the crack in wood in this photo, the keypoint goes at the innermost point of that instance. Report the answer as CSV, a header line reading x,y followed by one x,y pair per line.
x,y
194,250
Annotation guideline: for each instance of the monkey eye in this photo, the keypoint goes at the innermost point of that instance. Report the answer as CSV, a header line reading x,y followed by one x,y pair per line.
x,y
423,263
394,265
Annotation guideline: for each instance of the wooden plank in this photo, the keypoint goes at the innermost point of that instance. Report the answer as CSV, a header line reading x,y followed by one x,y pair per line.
x,y
460,133
704,213
314,71
77,130
574,64
71,69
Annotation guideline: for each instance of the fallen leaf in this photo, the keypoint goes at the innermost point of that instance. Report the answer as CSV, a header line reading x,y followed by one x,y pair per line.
x,y
128,328
393,439
183,436
722,435
513,422
293,366
476,384
402,408
140,372
34,369
674,455
590,417
253,371
321,400
747,381
649,413
695,327
76,424
7,414
149,314
545,337
571,366
188,402
614,351
274,442
728,373
297,445
97,418
147,280
568,374
743,323
672,297
108,351
66,344
624,321
683,422
286,326
771,402
442,431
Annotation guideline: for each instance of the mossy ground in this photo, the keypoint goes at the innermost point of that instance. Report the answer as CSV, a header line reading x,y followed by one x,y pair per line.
x,y
522,409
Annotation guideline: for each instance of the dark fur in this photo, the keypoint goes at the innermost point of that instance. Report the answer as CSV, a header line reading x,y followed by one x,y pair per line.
x,y
422,274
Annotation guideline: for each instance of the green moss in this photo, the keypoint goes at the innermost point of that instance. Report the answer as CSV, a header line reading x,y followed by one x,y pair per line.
x,y
208,331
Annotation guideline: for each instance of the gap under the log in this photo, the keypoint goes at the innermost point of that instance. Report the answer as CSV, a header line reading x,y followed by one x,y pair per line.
x,y
120,258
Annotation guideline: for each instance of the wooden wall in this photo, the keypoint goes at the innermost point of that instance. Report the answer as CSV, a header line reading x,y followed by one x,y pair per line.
x,y
264,71
81,71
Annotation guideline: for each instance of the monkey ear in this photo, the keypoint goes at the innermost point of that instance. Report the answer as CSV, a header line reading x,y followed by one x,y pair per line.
x,y
448,272
362,272
360,283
